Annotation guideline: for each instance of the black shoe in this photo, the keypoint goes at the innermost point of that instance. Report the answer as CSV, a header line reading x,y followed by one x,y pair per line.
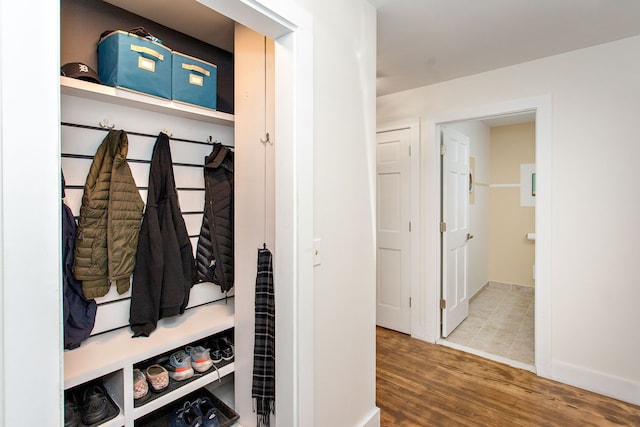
x,y
95,405
216,351
227,348
71,412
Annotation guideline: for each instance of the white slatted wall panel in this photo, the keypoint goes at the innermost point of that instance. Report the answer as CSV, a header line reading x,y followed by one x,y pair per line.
x,y
113,309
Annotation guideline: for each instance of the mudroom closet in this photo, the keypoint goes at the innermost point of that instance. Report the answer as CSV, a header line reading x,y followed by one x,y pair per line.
x,y
243,123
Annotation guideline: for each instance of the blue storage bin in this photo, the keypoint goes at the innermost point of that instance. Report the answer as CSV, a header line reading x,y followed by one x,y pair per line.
x,y
194,81
128,61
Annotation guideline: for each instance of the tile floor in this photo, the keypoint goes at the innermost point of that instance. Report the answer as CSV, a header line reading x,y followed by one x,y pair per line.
x,y
500,322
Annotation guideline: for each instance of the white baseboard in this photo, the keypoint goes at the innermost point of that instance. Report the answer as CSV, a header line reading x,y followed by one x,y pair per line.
x,y
597,382
373,420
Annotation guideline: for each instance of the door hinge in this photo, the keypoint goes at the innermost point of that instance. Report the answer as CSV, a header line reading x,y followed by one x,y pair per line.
x,y
409,226
443,227
443,150
443,303
409,302
409,151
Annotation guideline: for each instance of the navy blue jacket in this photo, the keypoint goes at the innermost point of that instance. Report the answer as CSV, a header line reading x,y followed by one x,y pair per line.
x,y
79,314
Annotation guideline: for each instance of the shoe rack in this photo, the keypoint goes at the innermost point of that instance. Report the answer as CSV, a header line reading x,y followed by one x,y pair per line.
x,y
111,357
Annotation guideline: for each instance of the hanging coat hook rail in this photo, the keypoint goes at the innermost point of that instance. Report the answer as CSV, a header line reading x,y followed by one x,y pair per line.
x,y
147,135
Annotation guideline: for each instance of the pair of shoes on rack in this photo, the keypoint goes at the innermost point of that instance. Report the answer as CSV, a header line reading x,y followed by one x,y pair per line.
x,y
95,406
183,363
222,349
199,413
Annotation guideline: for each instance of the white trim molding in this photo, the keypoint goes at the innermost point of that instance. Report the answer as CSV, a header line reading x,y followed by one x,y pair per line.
x,y
373,420
430,192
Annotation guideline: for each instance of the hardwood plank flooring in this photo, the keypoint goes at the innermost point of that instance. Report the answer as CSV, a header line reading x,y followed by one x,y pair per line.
x,y
422,384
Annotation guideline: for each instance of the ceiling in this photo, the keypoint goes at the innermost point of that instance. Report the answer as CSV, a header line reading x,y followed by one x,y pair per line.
x,y
421,42
186,16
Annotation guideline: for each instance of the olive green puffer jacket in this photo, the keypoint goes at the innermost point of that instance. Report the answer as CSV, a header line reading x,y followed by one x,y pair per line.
x,y
109,223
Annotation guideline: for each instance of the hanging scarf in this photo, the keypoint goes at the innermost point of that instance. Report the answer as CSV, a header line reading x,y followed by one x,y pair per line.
x,y
264,349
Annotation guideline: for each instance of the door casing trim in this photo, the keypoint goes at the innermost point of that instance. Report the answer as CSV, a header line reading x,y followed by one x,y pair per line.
x,y
428,328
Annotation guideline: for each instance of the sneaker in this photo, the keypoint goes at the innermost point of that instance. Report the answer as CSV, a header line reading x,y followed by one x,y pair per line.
x,y
179,366
200,358
140,386
227,348
207,411
158,377
186,416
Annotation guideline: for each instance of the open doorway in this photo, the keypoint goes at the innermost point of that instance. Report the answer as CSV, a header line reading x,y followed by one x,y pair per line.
x,y
488,239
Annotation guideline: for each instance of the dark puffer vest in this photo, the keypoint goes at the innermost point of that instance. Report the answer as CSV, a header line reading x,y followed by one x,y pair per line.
x,y
215,244
109,223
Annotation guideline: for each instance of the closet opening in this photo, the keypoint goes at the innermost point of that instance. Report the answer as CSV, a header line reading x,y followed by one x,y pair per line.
x,y
84,111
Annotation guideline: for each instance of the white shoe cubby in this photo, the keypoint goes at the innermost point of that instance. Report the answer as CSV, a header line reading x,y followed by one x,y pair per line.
x,y
110,357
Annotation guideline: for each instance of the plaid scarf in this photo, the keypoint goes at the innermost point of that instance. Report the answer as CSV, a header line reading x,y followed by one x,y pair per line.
x,y
264,351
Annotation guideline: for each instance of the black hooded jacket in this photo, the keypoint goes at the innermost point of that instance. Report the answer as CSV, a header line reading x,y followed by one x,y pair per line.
x,y
165,267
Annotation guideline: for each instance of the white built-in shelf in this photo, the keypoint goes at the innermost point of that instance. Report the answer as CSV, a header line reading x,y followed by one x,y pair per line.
x,y
98,92
112,351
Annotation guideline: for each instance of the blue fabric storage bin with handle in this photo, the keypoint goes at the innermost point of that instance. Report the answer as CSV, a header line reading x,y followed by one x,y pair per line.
x,y
136,63
194,81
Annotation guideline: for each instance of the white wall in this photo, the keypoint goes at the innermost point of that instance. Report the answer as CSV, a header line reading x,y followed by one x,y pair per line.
x,y
594,208
30,215
344,200
478,134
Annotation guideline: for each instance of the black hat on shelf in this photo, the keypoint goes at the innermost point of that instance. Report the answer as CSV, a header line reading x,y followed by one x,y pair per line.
x,y
79,70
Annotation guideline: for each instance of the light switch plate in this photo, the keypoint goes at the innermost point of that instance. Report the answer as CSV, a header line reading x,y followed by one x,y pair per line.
x,y
317,252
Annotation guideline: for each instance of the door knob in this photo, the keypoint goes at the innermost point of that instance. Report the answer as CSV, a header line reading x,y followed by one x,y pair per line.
x,y
469,236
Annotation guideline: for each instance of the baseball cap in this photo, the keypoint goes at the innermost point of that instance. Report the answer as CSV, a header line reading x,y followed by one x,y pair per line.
x,y
79,70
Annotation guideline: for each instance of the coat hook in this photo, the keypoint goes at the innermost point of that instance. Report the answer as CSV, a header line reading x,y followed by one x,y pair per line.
x,y
267,140
105,124
166,132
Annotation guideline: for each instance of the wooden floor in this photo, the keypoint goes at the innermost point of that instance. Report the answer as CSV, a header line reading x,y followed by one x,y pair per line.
x,y
422,384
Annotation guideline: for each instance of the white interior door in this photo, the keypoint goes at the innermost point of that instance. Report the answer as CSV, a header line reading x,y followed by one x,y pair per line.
x,y
455,237
393,230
